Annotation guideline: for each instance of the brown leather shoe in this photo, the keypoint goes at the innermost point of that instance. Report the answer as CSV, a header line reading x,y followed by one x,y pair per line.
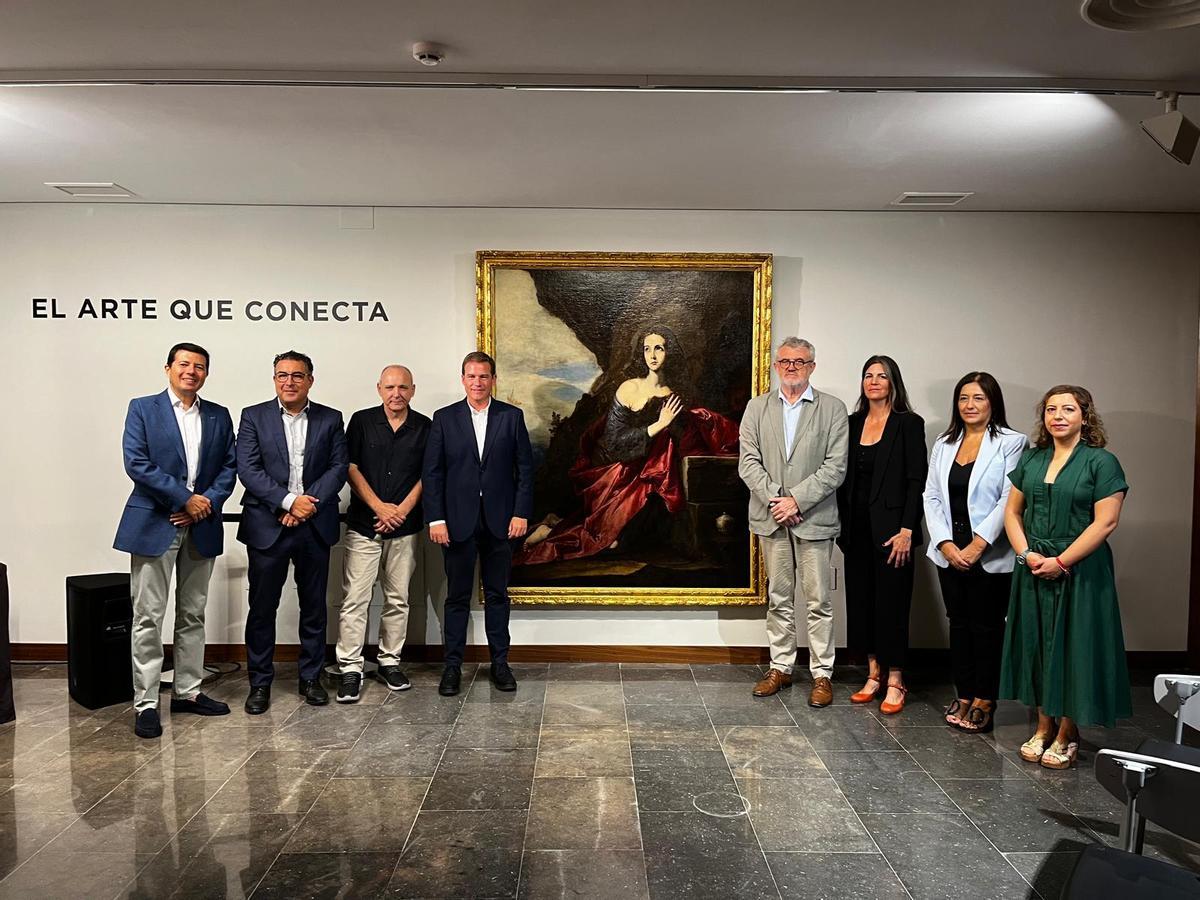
x,y
772,683
822,692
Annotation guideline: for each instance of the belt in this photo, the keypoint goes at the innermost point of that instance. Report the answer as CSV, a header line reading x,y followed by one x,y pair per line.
x,y
1048,546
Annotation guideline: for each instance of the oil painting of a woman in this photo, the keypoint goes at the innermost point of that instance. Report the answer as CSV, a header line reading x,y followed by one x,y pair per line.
x,y
633,371
633,456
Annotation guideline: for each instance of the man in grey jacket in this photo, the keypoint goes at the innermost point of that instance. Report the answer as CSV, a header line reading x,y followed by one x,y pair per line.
x,y
793,458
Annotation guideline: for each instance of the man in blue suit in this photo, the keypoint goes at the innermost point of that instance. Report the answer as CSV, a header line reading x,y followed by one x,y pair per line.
x,y
478,482
292,461
179,454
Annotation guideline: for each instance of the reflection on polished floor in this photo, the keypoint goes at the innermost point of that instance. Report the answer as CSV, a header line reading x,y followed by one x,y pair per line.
x,y
593,781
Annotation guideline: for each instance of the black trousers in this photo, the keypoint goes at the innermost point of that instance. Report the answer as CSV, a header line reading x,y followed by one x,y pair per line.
x,y
878,599
267,573
495,566
976,604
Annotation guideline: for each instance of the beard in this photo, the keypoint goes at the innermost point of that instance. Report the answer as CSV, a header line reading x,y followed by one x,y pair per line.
x,y
794,383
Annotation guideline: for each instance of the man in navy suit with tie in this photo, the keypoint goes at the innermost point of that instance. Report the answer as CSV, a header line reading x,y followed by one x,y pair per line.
x,y
478,483
292,461
179,454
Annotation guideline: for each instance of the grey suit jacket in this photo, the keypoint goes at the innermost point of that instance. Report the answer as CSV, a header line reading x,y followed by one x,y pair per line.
x,y
813,472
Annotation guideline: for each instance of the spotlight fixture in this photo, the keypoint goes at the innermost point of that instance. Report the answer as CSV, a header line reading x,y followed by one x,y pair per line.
x,y
1141,15
1173,131
428,54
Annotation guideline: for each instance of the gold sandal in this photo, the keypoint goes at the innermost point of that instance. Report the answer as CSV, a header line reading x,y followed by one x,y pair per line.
x,y
1035,748
1060,756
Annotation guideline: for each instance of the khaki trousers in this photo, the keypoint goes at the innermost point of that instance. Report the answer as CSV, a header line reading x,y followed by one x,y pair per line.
x,y
150,579
798,574
392,562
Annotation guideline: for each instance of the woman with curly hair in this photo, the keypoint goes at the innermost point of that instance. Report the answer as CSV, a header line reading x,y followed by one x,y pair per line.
x,y
1063,648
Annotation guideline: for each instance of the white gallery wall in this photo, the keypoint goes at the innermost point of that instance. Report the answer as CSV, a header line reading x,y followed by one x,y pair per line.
x,y
1106,300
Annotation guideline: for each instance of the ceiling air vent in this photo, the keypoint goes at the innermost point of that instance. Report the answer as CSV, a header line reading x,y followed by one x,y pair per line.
x,y
1141,15
90,188
931,199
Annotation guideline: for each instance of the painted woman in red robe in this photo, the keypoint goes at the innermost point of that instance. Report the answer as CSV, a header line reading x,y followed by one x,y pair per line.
x,y
632,454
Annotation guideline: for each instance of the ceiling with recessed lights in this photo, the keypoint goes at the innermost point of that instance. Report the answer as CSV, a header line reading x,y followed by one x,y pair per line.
x,y
856,148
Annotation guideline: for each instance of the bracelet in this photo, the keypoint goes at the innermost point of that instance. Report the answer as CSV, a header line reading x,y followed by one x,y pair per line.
x,y
1066,569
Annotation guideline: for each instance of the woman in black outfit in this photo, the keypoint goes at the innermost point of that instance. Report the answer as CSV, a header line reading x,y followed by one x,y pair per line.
x,y
880,508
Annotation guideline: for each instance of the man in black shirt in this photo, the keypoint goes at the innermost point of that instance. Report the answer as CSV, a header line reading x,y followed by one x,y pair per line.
x,y
386,446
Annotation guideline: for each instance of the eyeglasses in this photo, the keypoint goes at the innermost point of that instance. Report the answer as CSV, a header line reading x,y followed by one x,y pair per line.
x,y
793,364
284,377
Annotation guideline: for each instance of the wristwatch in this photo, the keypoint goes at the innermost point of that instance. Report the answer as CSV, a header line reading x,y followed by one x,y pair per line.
x,y
1021,557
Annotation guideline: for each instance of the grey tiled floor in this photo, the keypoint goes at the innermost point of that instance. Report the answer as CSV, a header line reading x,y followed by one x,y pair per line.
x,y
591,781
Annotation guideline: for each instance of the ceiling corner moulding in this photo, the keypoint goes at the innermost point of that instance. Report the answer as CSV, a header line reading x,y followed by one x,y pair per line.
x,y
43,78
90,189
1141,15
931,199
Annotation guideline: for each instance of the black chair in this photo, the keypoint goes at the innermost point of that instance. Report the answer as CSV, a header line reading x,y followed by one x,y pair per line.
x,y
1160,783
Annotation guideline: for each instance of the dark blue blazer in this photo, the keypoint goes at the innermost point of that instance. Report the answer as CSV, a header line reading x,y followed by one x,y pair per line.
x,y
454,476
262,458
155,460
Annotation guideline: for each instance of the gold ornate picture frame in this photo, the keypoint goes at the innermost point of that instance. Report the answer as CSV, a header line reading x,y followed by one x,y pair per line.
x,y
633,371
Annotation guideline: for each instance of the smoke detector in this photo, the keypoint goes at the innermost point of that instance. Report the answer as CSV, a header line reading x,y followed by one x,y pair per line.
x,y
428,54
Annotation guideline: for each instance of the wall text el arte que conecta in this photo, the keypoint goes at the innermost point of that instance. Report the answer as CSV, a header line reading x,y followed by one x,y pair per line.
x,y
221,310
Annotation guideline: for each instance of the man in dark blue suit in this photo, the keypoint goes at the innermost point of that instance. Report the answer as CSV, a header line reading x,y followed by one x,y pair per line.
x,y
478,482
179,454
292,461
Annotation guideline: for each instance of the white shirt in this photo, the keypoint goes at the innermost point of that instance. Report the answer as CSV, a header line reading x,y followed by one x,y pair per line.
x,y
479,419
791,416
189,429
295,430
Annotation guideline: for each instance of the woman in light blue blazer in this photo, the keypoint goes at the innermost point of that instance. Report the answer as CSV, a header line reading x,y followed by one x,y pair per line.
x,y
965,493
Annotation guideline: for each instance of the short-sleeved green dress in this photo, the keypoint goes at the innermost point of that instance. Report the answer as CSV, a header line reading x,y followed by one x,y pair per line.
x,y
1063,647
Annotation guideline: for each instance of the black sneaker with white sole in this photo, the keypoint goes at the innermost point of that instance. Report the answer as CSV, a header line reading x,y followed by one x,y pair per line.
x,y
394,678
348,689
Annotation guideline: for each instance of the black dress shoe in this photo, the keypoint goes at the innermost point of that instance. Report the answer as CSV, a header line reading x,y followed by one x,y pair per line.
x,y
200,705
146,724
259,700
451,681
313,692
502,677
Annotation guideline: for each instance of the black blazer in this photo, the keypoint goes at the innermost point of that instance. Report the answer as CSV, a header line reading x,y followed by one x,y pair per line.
x,y
262,464
454,476
897,483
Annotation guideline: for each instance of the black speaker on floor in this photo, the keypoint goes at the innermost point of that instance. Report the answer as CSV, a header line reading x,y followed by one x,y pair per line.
x,y
99,622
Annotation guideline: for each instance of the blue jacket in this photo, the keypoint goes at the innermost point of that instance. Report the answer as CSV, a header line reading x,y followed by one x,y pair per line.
x,y
262,458
154,459
454,476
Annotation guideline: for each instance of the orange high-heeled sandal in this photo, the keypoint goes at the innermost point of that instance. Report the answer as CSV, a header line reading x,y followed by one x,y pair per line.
x,y
890,709
865,696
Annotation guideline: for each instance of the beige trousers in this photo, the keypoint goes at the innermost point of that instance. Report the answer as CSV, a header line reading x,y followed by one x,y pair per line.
x,y
798,573
392,562
150,579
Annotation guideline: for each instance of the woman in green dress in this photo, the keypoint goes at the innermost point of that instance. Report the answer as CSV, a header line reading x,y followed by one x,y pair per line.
x,y
1063,649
